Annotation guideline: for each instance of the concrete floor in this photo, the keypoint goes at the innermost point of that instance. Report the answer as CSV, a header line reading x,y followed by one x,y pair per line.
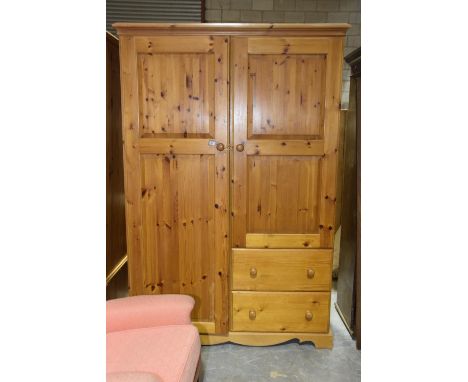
x,y
286,362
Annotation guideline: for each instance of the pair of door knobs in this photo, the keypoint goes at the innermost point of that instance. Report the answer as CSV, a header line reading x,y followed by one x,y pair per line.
x,y
220,147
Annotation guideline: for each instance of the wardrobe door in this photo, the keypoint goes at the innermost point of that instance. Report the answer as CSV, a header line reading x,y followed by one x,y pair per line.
x,y
175,100
286,100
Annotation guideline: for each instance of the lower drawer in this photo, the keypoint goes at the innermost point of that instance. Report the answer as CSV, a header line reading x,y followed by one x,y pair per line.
x,y
280,311
281,269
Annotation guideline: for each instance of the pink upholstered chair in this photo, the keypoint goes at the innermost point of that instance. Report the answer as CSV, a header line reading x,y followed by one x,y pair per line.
x,y
152,339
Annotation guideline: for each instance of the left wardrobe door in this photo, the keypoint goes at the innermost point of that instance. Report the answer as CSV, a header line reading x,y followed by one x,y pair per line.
x,y
175,124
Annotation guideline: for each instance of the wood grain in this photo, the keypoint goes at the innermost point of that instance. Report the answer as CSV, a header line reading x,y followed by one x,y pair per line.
x,y
287,45
284,118
280,311
284,146
331,129
176,146
286,94
116,245
174,44
282,194
178,194
339,168
268,240
320,340
270,95
281,270
176,95
177,198
221,174
205,327
232,29
239,68
130,132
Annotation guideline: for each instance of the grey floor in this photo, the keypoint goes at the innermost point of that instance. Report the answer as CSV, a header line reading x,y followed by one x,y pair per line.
x,y
286,362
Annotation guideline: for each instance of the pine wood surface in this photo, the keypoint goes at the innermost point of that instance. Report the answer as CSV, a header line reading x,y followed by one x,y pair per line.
x,y
285,147
281,270
176,90
232,29
231,134
285,95
320,340
280,311
268,240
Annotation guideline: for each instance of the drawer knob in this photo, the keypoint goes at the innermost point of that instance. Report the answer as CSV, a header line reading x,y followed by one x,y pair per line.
x,y
253,272
220,146
310,273
308,315
252,314
240,147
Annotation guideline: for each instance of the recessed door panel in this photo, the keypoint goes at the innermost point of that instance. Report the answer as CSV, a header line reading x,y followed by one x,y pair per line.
x,y
178,227
286,94
282,194
176,94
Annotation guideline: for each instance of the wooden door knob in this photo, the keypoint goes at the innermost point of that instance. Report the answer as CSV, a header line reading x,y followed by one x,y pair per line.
x,y
220,146
252,314
240,147
253,272
310,273
308,315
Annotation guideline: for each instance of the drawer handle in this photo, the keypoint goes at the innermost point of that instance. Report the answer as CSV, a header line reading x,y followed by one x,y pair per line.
x,y
309,315
310,273
253,272
252,314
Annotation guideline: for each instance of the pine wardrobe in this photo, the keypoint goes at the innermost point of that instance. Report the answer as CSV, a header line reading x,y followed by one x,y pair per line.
x,y
230,151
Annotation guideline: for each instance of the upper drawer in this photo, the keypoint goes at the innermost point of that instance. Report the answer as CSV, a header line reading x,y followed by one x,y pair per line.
x,y
281,269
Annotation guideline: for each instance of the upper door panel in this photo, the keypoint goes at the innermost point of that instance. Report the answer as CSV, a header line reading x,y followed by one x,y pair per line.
x,y
286,93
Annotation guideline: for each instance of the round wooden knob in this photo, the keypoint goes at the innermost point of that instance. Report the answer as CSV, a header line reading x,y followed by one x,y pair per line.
x,y
240,147
310,273
308,315
252,314
220,146
253,272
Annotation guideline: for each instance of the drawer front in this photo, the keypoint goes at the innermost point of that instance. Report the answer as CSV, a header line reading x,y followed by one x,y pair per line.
x,y
280,311
281,269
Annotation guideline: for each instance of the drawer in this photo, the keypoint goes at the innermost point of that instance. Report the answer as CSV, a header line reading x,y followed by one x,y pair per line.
x,y
280,311
282,269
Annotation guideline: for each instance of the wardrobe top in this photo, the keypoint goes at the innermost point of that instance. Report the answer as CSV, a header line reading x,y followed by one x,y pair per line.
x,y
235,29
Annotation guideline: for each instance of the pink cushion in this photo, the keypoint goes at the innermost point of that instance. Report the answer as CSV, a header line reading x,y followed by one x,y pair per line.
x,y
171,352
148,311
132,377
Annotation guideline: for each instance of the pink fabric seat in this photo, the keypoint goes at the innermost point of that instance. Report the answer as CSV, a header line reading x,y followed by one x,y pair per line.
x,y
132,377
151,337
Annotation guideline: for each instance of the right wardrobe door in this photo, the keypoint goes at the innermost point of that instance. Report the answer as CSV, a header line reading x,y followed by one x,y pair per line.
x,y
285,112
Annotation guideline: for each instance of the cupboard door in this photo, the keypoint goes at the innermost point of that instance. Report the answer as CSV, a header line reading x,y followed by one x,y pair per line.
x,y
175,100
286,100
